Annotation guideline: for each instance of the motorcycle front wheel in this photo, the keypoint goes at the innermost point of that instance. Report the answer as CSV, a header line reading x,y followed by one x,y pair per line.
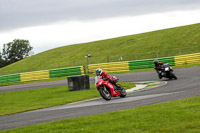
x,y
172,75
105,93
123,91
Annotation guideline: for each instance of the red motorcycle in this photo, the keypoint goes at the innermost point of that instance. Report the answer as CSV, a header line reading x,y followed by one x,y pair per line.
x,y
108,90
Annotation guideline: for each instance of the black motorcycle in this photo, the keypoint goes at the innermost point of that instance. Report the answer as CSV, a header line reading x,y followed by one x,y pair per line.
x,y
166,71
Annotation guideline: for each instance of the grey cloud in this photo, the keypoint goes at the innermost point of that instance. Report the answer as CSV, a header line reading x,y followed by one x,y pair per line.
x,y
22,13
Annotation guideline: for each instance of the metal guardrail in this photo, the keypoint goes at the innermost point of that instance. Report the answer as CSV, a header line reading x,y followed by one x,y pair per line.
x,y
108,67
40,75
145,64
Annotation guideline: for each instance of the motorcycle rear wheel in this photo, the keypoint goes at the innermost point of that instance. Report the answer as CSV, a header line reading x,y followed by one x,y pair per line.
x,y
105,94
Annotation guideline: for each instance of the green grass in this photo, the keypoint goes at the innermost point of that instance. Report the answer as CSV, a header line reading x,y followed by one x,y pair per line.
x,y
20,101
180,116
166,42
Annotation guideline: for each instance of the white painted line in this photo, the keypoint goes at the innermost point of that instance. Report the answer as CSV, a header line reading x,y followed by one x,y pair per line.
x,y
103,102
136,88
92,102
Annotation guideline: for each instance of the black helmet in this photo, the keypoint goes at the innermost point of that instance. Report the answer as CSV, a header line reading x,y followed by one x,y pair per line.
x,y
98,72
155,61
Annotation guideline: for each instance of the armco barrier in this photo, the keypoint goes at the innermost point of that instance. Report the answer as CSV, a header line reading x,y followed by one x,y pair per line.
x,y
145,64
37,75
148,63
10,78
110,67
66,72
187,59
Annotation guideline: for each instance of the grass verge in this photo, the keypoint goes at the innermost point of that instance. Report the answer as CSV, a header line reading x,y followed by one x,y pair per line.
x,y
20,101
180,116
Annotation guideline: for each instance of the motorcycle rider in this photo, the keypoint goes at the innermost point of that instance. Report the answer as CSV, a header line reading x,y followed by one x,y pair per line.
x,y
105,76
158,67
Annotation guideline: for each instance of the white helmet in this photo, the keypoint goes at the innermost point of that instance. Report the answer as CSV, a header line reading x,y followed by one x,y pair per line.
x,y
98,72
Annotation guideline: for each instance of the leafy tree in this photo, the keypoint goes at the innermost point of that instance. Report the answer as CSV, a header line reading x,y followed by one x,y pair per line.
x,y
16,50
2,61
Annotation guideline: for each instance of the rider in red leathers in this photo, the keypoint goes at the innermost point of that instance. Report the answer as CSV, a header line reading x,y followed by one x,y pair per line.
x,y
158,67
105,76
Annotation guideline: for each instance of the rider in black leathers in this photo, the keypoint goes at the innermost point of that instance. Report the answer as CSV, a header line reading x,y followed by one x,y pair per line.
x,y
158,67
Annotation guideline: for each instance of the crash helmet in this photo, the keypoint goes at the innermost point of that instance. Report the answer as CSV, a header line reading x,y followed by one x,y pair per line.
x,y
155,61
99,71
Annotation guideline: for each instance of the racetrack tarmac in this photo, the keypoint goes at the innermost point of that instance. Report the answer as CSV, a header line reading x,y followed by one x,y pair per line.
x,y
187,85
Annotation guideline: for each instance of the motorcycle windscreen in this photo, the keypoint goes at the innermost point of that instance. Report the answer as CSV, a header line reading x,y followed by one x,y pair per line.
x,y
97,78
166,65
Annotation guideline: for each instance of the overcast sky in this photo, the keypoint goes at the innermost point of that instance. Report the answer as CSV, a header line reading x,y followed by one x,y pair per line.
x,y
49,24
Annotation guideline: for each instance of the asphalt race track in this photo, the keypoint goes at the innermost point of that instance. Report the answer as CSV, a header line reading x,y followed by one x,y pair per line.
x,y
187,85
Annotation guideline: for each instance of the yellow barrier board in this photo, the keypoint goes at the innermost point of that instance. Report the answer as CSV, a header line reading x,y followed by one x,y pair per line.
x,y
38,75
110,67
82,70
187,59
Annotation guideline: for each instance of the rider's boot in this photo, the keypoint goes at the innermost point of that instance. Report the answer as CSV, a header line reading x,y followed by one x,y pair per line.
x,y
118,87
160,75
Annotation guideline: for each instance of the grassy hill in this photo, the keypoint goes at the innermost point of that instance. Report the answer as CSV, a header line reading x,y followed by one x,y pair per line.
x,y
160,43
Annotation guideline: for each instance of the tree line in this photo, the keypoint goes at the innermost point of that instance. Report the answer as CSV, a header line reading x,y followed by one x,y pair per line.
x,y
14,51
